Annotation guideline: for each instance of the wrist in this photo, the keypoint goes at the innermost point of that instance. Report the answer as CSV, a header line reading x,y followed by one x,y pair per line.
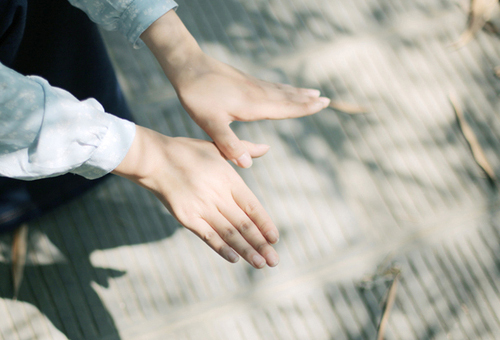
x,y
139,162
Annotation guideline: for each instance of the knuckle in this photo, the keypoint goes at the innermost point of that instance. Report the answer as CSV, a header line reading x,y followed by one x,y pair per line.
x,y
184,213
267,226
185,220
248,253
233,147
252,207
245,226
209,236
228,233
261,247
309,108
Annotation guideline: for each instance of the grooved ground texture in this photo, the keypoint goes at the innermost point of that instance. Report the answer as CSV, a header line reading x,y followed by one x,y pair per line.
x,y
355,197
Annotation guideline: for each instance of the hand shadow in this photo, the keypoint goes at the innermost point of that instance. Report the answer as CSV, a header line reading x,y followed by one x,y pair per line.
x,y
59,276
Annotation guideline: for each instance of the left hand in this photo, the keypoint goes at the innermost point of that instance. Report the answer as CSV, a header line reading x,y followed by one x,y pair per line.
x,y
216,94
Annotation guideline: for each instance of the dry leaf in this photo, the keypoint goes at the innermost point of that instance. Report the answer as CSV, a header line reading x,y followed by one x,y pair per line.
x,y
347,108
391,297
19,250
477,150
497,71
479,13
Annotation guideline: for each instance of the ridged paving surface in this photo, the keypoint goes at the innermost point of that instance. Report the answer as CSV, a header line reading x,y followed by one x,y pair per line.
x,y
352,195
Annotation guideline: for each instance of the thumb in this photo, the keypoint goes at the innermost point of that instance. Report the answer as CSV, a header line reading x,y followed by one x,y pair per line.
x,y
231,146
256,150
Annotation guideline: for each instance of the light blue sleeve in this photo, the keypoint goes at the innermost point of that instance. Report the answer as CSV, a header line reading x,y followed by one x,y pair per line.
x,y
131,17
45,131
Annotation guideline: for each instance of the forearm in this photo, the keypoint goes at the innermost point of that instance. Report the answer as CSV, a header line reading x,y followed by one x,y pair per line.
x,y
173,46
45,131
215,94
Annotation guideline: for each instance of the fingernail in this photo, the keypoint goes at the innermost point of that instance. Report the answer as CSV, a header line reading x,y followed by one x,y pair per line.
x,y
245,161
258,261
232,257
273,260
313,92
324,101
272,237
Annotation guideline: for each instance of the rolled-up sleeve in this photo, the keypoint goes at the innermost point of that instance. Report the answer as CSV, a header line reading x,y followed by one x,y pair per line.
x,y
131,17
46,132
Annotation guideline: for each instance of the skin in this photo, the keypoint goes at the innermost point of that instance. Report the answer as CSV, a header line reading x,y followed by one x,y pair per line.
x,y
204,193
193,178
216,94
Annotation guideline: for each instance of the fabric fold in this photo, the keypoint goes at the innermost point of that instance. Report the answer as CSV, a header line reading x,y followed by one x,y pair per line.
x,y
45,131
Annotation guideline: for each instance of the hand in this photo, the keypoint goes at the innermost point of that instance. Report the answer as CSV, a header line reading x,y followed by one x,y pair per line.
x,y
204,193
215,94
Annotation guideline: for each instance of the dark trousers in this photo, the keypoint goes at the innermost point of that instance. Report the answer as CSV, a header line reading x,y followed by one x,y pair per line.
x,y
58,42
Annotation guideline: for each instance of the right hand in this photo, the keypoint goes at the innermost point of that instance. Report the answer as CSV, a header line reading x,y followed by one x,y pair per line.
x,y
204,193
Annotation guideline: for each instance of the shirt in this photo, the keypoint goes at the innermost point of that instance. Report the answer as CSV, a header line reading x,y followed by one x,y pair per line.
x,y
45,131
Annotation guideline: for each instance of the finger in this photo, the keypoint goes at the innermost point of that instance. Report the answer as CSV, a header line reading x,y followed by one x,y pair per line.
x,y
289,88
308,93
234,239
252,234
204,231
229,144
311,92
291,107
256,150
281,92
247,201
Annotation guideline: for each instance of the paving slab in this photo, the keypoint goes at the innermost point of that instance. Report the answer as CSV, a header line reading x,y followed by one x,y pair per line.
x,y
353,195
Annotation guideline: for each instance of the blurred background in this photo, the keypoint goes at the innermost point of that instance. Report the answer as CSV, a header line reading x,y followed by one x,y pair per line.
x,y
361,200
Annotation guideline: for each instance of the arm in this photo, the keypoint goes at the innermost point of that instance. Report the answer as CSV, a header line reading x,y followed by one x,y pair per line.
x,y
215,94
45,131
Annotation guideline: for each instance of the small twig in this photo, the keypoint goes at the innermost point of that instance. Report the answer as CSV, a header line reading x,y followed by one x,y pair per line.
x,y
347,108
381,273
470,136
19,251
391,297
